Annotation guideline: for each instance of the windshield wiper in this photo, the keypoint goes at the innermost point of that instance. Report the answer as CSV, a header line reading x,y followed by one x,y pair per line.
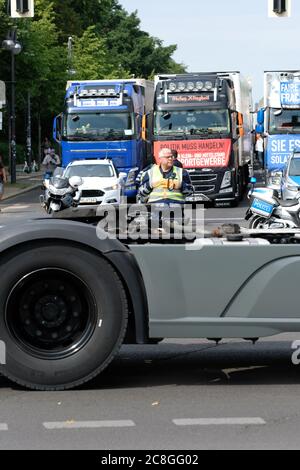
x,y
173,134
78,137
207,132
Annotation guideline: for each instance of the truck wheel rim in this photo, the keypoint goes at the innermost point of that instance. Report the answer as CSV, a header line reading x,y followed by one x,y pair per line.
x,y
51,313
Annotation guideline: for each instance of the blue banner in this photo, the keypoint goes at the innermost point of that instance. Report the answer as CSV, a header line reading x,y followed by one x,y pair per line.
x,y
290,93
278,150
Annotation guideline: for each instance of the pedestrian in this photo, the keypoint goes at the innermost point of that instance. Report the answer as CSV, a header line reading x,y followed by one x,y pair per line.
x,y
50,162
259,147
165,183
46,146
3,177
176,162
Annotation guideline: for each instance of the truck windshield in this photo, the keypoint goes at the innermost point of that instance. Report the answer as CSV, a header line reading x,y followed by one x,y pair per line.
x,y
294,169
192,122
287,122
90,171
98,126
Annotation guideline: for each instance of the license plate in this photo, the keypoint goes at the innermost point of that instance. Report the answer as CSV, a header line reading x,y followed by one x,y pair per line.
x,y
89,200
196,198
262,207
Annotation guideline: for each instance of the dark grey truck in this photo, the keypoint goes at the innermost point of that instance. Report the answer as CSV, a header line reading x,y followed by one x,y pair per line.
x,y
69,300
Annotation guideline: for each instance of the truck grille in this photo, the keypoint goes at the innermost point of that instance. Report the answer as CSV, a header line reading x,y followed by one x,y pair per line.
x,y
203,182
92,193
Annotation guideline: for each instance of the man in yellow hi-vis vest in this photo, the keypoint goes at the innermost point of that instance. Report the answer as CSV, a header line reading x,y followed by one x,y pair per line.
x,y
165,183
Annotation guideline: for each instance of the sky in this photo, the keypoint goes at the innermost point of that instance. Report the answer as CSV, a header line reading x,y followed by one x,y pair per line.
x,y
224,35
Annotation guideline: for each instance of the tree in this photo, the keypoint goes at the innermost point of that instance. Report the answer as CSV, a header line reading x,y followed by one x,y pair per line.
x,y
139,52
91,60
127,45
107,43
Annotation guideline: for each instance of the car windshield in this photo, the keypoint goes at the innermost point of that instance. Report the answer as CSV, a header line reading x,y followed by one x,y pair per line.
x,y
98,126
90,171
294,169
192,122
285,122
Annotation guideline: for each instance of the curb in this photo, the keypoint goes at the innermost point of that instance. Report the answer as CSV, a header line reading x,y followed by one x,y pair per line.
x,y
22,191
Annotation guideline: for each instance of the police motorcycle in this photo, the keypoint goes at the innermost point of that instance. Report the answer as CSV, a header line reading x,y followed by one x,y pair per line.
x,y
61,193
267,211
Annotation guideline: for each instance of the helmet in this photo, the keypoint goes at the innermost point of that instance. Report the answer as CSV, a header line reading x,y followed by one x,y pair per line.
x,y
75,181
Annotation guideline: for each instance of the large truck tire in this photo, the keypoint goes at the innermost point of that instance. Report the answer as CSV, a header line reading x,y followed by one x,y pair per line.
x,y
63,315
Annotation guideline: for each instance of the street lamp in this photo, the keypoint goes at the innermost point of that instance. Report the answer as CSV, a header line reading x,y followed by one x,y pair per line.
x,y
11,44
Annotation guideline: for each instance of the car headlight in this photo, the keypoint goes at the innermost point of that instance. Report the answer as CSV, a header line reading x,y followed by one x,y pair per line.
x,y
112,188
226,179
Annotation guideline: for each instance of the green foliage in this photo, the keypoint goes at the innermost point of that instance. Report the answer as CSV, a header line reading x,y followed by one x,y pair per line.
x,y
91,60
107,43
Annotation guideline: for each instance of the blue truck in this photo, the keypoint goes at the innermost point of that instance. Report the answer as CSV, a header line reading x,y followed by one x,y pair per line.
x,y
105,119
279,121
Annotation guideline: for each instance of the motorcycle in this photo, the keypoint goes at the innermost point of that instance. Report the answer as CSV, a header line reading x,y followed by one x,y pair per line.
x,y
61,193
267,211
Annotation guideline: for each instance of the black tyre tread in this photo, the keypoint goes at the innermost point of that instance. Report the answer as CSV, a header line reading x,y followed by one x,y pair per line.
x,y
253,220
94,374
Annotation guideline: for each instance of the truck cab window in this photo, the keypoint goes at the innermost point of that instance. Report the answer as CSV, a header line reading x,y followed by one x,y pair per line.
x,y
99,126
191,121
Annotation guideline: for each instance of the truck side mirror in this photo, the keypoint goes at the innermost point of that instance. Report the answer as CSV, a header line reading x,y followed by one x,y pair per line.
x,y
240,127
259,129
261,117
144,127
57,128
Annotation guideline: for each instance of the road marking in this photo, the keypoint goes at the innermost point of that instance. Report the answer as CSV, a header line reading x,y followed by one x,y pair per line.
x,y
224,218
3,427
15,206
218,421
88,424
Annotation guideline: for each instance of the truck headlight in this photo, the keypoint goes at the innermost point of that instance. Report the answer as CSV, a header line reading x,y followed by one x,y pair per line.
x,y
292,187
226,179
275,178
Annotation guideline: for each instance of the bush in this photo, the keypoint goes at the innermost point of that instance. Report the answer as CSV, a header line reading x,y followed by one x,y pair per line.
x,y
21,152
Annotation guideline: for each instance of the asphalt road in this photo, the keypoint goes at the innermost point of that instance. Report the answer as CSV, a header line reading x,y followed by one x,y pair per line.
x,y
176,395
29,205
170,396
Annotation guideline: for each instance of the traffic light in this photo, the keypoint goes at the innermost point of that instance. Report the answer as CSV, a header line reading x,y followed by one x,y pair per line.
x,y
22,8
279,8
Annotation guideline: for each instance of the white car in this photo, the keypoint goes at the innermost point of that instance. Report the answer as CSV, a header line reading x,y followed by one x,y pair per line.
x,y
101,183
